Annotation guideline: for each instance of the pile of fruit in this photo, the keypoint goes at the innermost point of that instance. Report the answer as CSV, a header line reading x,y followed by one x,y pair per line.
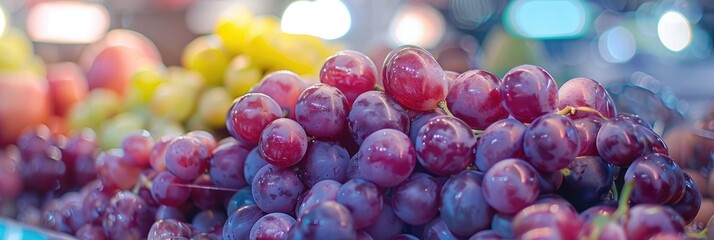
x,y
425,156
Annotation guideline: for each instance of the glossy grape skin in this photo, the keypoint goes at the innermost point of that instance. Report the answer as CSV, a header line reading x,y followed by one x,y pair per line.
x,y
502,225
587,181
653,142
169,229
646,220
242,197
475,98
387,158
486,235
203,195
414,78
587,134
618,142
284,87
34,142
226,166
95,203
325,190
253,163
283,142
327,220
549,182
169,190
51,216
502,140
79,154
113,172
610,231
421,118
350,71
445,145
585,92
563,221
528,92
157,157
364,201
249,115
208,221
127,217
416,200
362,235
322,110
657,179
463,206
166,212
634,119
374,110
689,205
324,159
593,212
387,224
437,230
510,185
274,226
239,224
551,142
276,190
90,232
187,158
137,148
404,237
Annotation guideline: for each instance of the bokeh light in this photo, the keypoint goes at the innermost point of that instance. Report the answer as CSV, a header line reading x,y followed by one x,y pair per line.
x,y
327,19
617,45
419,25
674,31
67,22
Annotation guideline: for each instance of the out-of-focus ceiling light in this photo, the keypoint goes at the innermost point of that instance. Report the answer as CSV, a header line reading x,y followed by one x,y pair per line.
x,y
3,20
617,45
547,19
327,19
419,25
67,22
674,31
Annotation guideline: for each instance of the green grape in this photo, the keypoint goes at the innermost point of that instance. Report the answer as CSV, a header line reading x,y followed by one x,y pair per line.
x,y
173,100
213,106
161,128
142,87
206,56
241,75
119,127
232,27
100,105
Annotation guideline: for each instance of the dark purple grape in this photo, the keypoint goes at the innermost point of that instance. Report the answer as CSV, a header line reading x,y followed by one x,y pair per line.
x,y
404,237
421,118
555,199
386,158
362,235
283,142
90,232
72,214
325,190
253,163
463,206
324,159
274,226
510,185
586,181
284,87
227,166
326,220
475,98
166,212
203,195
187,158
43,173
95,204
387,224
634,119
137,148
563,222
239,224
486,235
113,172
350,71
437,230
169,229
364,201
374,110
322,110
276,189
414,78
618,142
551,142
549,182
416,200
605,210
34,142
242,197
127,217
143,186
609,231
689,205
587,134
169,190
585,92
250,114
657,179
502,225
79,154
528,92
653,142
502,140
445,145
207,236
51,216
645,220
208,221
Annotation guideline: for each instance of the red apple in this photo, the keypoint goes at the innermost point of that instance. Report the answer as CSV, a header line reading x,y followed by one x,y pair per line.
x,y
113,68
67,85
24,102
120,37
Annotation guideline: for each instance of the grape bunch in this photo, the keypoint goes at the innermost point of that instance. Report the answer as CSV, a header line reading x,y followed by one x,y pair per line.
x,y
428,155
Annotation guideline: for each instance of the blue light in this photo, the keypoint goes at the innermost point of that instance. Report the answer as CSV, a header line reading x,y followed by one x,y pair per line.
x,y
547,19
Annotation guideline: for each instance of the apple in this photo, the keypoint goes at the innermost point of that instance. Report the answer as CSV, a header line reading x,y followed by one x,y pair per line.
x,y
113,68
120,37
67,85
24,102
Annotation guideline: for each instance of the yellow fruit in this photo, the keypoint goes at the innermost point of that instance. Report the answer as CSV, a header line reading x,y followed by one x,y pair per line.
x,y
213,106
162,128
119,127
241,75
232,26
16,50
173,100
142,87
206,56
100,105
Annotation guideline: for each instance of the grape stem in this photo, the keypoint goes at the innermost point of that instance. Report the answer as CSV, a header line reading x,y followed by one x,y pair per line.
x,y
570,110
700,235
143,181
620,213
443,106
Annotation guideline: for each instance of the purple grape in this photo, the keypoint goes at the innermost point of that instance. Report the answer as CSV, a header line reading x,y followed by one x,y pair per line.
x,y
416,200
587,134
528,92
143,186
137,148
283,142
169,190
187,158
242,197
645,220
169,229
387,158
486,235
653,142
362,235
421,118
45,172
253,163
669,236
374,110
79,154
206,139
555,199
274,226
510,185
95,204
284,87
564,223
502,225
689,205
208,221
387,224
445,145
634,119
618,142
551,142
587,181
239,224
249,115
326,220
350,71
325,190
90,232
127,217
404,237
657,179
364,201
323,160
166,212
203,195
593,212
276,189
501,140
414,78
475,98
549,182
227,165
610,231
437,230
322,110
585,92
463,206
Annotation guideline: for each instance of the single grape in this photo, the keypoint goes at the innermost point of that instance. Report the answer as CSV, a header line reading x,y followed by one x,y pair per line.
x,y
362,235
414,78
209,221
445,145
166,212
327,220
555,199
250,114
653,142
587,180
551,142
437,230
239,224
387,158
324,159
689,205
169,229
645,220
605,210
227,164
475,98
137,148
657,179
421,118
283,142
157,157
242,197
325,190
634,119
364,201
609,231
253,163
510,185
169,190
276,189
463,206
618,142
374,110
113,172
563,222
585,92
284,87
350,71
502,140
387,224
416,200
203,195
127,217
528,92
274,226
322,110
187,158
587,135
206,139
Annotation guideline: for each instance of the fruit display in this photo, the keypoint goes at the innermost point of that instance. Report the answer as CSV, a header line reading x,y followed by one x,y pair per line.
x,y
480,157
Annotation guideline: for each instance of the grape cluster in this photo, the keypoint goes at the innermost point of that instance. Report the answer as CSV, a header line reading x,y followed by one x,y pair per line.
x,y
429,155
